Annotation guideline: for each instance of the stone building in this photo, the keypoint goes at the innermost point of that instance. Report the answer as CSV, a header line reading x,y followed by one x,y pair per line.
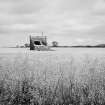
x,y
38,43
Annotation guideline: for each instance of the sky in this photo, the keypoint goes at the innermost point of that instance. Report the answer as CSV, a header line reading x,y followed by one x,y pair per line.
x,y
70,22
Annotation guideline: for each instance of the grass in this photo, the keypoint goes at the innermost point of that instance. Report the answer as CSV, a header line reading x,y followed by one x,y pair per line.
x,y
27,81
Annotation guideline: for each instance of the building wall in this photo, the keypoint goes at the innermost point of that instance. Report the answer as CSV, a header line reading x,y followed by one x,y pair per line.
x,y
42,39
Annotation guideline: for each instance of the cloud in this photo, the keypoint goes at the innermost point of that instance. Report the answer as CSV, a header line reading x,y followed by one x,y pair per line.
x,y
27,6
99,7
61,19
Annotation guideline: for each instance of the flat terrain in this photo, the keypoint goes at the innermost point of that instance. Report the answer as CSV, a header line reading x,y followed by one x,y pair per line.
x,y
57,51
61,54
61,59
65,76
66,50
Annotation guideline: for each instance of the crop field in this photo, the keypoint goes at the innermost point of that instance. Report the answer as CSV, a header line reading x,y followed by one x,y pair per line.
x,y
65,76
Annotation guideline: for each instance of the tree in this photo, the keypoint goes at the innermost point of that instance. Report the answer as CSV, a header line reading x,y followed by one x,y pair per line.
x,y
55,44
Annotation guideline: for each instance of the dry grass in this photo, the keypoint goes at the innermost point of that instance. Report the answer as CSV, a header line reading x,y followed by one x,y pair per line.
x,y
24,81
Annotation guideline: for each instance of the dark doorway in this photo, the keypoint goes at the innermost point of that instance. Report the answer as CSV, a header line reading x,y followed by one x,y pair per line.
x,y
37,42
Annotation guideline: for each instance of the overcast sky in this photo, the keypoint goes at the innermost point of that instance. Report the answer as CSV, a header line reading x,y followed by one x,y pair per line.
x,y
66,21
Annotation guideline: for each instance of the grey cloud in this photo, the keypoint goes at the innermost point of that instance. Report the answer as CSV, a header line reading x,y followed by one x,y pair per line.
x,y
57,18
27,6
99,8
98,31
21,6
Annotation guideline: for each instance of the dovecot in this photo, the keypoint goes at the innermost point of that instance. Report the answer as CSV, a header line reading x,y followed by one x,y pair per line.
x,y
38,43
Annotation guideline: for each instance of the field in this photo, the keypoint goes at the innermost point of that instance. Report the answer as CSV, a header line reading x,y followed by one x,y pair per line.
x,y
65,76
